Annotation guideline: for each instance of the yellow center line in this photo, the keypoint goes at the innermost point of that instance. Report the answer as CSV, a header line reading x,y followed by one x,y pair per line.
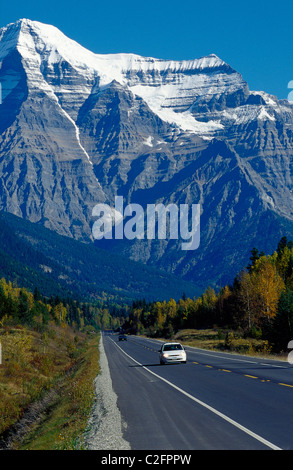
x,y
245,375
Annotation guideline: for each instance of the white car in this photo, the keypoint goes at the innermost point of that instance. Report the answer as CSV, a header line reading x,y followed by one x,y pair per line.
x,y
171,353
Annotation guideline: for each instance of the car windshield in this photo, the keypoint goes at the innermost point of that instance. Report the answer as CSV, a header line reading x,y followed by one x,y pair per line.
x,y
172,347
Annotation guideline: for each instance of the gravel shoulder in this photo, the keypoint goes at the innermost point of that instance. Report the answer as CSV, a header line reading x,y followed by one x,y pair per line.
x,y
105,427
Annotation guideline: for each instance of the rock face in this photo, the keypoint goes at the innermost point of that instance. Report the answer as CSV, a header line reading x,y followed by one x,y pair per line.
x,y
78,128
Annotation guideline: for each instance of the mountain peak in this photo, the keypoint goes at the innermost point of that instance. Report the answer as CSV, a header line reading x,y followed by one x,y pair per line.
x,y
26,34
24,23
50,37
13,30
167,86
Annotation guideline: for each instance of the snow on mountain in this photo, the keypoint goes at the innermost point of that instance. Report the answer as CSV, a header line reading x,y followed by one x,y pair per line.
x,y
169,87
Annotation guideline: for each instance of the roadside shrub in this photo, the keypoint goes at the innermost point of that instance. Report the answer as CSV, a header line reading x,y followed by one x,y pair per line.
x,y
10,412
255,333
229,340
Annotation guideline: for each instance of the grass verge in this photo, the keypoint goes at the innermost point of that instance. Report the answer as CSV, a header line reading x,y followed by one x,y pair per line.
x,y
225,340
56,375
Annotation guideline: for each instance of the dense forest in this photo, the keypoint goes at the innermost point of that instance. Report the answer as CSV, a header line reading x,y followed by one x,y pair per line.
x,y
19,306
259,303
33,256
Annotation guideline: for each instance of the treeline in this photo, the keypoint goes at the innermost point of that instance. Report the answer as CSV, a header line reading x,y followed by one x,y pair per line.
x,y
259,303
19,306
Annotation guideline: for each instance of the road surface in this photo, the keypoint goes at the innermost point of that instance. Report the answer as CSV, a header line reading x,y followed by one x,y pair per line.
x,y
215,401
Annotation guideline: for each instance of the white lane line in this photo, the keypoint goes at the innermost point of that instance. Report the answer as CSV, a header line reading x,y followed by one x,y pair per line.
x,y
205,405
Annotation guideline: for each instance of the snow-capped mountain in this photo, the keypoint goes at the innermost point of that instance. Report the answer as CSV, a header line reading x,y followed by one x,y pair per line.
x,y
78,128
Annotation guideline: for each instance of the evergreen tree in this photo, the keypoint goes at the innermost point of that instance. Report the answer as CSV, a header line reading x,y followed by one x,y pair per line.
x,y
255,255
282,329
24,311
281,245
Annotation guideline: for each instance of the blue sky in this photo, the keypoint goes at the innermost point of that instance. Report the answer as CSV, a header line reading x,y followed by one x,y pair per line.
x,y
254,37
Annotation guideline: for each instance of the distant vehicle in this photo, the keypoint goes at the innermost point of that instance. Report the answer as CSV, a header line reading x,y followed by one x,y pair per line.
x,y
122,337
172,353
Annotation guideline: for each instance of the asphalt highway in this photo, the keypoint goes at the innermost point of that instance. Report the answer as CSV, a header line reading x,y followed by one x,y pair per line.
x,y
216,401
